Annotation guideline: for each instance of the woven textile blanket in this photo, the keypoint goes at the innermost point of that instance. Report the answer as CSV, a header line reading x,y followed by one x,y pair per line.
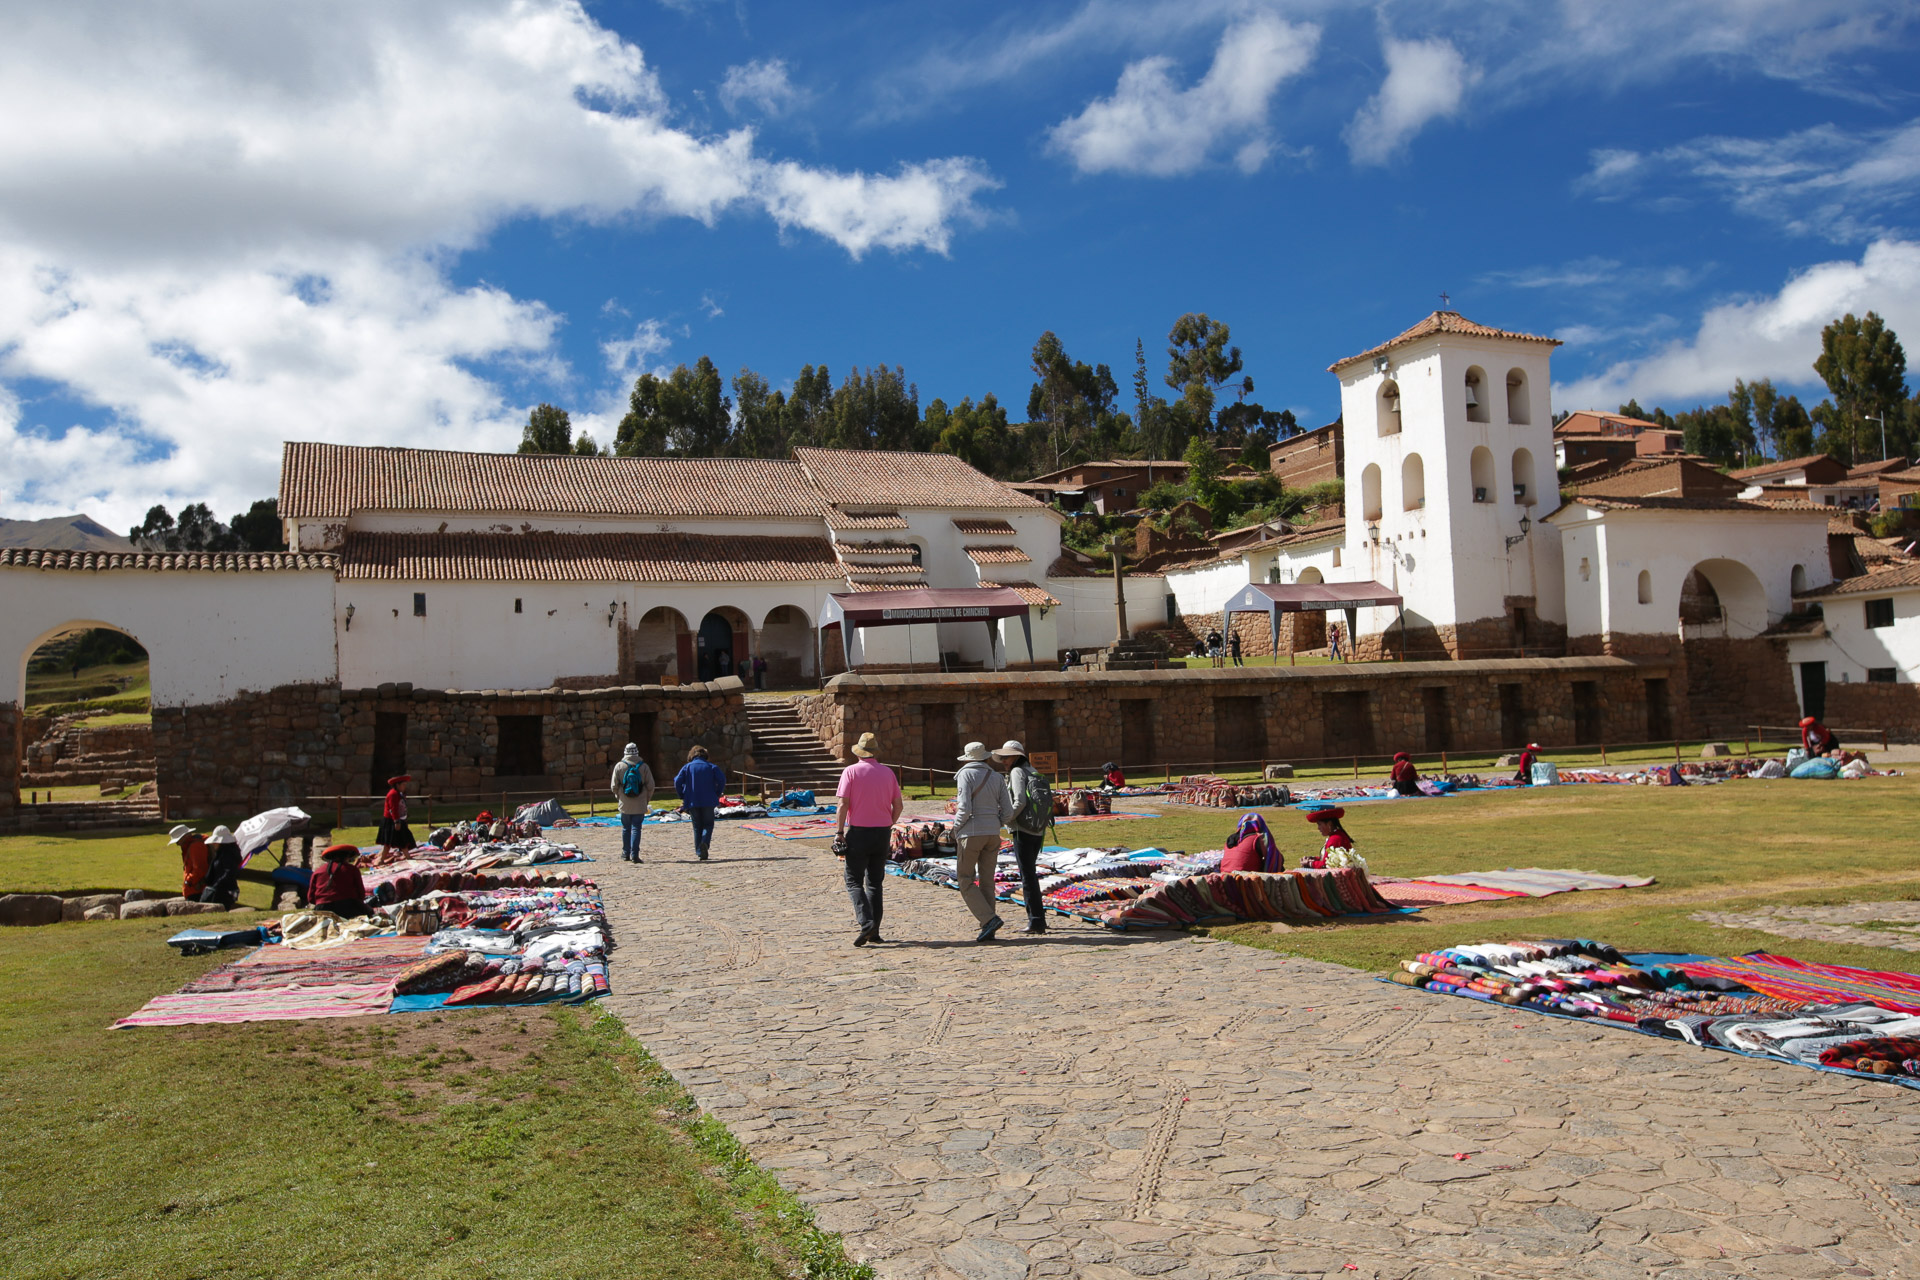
x,y
1427,893
1792,979
302,969
1537,882
334,1000
1307,896
381,946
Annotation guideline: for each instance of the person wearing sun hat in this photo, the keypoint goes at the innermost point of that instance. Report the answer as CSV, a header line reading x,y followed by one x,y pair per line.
x,y
394,831
1406,778
1021,777
1524,775
984,805
336,885
870,803
1336,837
193,860
223,868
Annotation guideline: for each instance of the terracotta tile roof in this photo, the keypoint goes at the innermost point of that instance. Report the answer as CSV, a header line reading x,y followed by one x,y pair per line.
x,y
1442,322
1610,503
167,561
1784,464
983,526
1900,578
998,555
1869,470
585,557
1672,478
1065,566
858,521
858,477
1028,592
1591,422
335,480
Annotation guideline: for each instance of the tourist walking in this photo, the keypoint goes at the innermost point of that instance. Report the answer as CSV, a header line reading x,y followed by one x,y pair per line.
x,y
870,803
394,831
1333,643
1032,813
193,860
984,806
336,885
223,869
1233,647
700,784
633,786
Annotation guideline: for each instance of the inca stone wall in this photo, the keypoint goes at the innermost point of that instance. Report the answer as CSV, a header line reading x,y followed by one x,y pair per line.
x,y
10,731
308,742
1892,707
1249,715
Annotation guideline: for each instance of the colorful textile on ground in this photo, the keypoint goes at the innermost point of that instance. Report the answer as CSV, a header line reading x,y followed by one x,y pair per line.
x,y
1696,999
1217,793
342,1000
1426,893
804,829
1537,882
1813,983
1305,896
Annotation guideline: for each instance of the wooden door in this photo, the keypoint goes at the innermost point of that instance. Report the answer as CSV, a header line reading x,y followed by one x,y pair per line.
x,y
683,653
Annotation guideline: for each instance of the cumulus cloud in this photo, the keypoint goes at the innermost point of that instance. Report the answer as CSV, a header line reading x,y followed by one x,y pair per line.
x,y
1150,125
1774,337
1426,81
225,226
763,86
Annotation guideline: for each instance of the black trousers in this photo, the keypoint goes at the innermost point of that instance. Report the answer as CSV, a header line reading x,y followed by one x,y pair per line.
x,y
866,872
1026,849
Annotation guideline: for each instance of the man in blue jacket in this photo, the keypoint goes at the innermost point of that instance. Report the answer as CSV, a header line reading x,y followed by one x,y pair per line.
x,y
700,784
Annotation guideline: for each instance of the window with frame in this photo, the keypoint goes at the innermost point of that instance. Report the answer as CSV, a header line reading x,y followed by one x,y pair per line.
x,y
1879,613
1883,675
419,604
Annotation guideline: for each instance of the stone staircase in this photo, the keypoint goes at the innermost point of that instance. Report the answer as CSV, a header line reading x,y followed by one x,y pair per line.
x,y
84,815
784,748
1146,652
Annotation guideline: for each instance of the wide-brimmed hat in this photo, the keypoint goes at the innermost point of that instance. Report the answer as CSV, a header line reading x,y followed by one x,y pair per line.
x,y
178,834
867,748
1011,747
398,779
975,753
1809,722
221,835
341,853
1326,815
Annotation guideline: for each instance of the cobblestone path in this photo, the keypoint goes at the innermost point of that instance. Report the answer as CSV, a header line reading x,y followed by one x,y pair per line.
x,y
1111,1107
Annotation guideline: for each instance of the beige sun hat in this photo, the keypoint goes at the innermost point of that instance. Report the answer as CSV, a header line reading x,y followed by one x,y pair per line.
x,y
975,753
178,834
221,835
867,747
1011,747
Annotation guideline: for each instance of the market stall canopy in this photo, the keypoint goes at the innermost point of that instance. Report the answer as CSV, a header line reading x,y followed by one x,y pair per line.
x,y
922,604
1294,597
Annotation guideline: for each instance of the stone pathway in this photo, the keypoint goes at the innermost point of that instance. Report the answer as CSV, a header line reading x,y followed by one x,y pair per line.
x,y
1831,924
1110,1107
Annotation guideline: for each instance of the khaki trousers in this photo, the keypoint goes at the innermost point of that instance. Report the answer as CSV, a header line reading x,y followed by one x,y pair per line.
x,y
978,857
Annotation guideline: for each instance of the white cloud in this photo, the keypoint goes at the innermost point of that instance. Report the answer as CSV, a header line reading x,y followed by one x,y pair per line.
x,y
762,85
1426,81
1152,126
227,226
1776,337
629,356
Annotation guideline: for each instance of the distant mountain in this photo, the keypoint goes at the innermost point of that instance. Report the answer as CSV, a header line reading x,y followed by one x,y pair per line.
x,y
62,533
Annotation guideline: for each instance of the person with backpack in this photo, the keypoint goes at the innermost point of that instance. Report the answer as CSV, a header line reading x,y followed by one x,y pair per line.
x,y
983,807
633,786
1032,815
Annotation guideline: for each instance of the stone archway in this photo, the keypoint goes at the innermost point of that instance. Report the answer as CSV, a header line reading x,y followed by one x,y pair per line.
x,y
723,644
84,732
654,646
787,644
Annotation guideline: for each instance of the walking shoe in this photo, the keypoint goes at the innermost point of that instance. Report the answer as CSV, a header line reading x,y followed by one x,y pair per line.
x,y
1036,926
863,937
873,934
988,929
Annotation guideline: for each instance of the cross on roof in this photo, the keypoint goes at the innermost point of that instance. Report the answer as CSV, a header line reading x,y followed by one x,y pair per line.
x,y
1445,298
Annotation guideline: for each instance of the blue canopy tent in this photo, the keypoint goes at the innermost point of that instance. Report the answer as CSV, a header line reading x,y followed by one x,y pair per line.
x,y
1274,599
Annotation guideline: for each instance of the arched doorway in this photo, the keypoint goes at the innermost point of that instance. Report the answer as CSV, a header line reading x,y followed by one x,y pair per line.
x,y
87,716
722,648
1722,606
786,643
655,648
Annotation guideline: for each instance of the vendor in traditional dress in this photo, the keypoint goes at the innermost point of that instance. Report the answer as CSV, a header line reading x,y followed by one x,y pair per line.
x,y
394,831
223,869
1336,837
193,861
1524,776
1817,738
336,886
1111,777
1406,778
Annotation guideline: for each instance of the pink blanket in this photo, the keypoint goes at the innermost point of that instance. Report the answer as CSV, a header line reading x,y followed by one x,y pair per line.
x,y
339,1000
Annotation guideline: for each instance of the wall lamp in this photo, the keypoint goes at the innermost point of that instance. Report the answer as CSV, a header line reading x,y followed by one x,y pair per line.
x,y
1526,526
1373,532
349,617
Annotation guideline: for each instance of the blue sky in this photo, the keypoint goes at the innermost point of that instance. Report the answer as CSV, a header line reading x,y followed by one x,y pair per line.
x,y
223,226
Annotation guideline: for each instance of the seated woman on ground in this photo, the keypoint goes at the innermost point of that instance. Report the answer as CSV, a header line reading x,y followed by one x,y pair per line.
x,y
1111,778
336,886
1338,850
1406,778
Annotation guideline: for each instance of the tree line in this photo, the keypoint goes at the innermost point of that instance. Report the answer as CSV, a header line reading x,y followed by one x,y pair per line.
x,y
195,529
1864,368
1073,412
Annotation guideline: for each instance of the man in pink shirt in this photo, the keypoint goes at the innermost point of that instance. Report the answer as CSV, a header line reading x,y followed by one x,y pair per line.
x,y
870,804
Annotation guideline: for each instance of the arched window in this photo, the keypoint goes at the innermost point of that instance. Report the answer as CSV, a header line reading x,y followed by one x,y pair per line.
x,y
1524,492
1387,408
1646,587
1799,581
1310,575
1477,395
1480,468
1413,483
1370,492
1519,411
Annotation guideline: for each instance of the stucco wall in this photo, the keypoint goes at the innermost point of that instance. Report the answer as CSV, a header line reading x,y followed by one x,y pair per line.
x,y
1085,618
1850,647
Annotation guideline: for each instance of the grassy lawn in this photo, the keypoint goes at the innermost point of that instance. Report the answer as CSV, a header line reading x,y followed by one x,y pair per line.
x,y
484,1143
108,680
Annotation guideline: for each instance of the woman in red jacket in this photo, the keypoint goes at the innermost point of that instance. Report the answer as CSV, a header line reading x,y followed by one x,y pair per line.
x,y
337,886
1406,778
394,831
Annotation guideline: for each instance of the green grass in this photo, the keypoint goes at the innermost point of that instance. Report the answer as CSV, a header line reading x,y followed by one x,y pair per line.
x,y
112,718
117,682
483,1143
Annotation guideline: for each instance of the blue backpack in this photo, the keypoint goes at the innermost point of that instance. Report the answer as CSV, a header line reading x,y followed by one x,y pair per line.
x,y
634,781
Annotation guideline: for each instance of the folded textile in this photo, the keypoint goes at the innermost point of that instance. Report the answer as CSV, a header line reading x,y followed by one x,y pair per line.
x,y
1814,983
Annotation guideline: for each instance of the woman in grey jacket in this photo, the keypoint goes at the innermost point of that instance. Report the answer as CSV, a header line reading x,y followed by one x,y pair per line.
x,y
1012,756
984,807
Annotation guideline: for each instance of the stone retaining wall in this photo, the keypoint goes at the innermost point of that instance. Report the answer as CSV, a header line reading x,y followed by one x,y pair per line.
x,y
10,729
1893,707
1202,716
302,742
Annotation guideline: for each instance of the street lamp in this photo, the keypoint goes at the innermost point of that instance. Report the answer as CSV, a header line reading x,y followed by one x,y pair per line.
x,y
1882,420
1513,540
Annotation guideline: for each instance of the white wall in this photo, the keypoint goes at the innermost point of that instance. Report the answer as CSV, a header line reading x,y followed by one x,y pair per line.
x,y
209,635
1085,617
1206,589
1850,647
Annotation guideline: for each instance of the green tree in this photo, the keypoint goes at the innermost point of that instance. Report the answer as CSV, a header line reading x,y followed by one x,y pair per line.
x,y
548,430
259,527
1863,365
874,408
1200,359
585,446
686,413
761,417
